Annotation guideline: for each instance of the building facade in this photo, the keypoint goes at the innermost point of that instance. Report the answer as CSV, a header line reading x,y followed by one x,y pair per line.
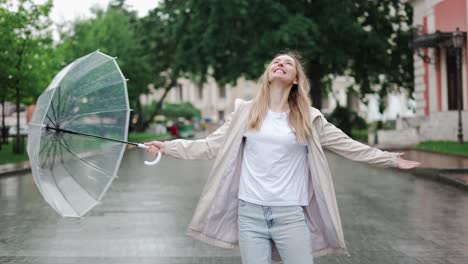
x,y
434,60
214,101
437,89
397,104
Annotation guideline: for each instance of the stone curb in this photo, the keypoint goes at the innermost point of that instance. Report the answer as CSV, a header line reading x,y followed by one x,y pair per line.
x,y
12,168
442,175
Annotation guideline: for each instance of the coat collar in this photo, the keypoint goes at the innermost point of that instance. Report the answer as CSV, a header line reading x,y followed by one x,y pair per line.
x,y
314,112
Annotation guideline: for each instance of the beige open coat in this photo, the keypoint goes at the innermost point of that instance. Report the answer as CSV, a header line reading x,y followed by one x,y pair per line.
x,y
215,217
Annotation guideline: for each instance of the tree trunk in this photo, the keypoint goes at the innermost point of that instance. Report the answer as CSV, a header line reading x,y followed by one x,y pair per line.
x,y
3,140
315,76
143,124
139,114
18,149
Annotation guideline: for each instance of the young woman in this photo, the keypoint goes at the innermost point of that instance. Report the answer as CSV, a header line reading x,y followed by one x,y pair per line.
x,y
270,190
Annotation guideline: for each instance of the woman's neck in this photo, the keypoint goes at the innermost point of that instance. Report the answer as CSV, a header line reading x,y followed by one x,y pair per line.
x,y
279,97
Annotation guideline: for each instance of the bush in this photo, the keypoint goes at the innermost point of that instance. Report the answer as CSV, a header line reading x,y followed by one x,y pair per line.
x,y
186,110
347,120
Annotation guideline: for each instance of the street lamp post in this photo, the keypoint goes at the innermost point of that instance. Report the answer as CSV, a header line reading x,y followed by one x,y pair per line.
x,y
457,39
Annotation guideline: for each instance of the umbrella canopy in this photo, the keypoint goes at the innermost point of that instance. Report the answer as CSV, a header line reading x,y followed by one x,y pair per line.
x,y
89,97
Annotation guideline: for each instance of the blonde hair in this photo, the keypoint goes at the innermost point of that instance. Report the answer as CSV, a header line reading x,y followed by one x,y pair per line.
x,y
298,100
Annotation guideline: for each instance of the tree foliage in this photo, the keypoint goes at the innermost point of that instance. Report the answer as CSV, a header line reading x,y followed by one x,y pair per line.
x,y
363,39
115,32
26,45
25,48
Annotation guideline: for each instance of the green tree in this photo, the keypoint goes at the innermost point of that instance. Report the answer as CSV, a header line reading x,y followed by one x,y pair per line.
x,y
161,41
363,39
25,41
6,37
114,32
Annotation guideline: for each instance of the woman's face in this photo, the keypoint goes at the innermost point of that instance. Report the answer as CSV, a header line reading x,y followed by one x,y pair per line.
x,y
283,68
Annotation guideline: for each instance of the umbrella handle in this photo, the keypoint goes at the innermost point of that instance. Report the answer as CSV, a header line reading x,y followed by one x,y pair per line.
x,y
155,161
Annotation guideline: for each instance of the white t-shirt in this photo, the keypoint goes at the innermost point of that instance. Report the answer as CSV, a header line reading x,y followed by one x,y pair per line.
x,y
274,165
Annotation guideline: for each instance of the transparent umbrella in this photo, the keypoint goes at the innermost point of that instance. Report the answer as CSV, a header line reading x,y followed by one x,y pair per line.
x,y
78,134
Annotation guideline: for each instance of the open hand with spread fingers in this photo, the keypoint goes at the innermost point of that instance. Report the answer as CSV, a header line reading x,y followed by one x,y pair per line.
x,y
406,164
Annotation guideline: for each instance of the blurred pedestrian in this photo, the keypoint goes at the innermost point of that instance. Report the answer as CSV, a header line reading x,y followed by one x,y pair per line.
x,y
175,130
270,192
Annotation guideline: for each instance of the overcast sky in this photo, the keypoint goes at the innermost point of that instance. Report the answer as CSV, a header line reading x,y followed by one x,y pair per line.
x,y
65,10
69,10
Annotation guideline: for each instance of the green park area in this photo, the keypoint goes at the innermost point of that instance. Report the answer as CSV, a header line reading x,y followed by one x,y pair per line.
x,y
446,147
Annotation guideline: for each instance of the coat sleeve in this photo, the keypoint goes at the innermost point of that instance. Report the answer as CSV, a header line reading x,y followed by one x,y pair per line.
x,y
332,138
205,148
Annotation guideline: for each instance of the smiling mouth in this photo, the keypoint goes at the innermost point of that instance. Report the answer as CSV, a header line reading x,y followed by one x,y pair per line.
x,y
280,71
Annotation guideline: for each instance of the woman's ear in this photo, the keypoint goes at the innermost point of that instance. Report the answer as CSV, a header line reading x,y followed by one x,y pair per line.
x,y
295,82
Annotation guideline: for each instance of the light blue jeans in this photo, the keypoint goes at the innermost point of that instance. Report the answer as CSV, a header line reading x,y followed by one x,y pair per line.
x,y
259,226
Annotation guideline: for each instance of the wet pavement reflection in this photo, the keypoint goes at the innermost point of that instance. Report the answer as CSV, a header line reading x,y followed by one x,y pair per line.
x,y
388,216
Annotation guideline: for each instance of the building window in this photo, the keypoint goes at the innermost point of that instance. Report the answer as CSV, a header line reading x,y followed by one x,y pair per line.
x,y
200,91
181,94
220,115
325,102
222,91
452,79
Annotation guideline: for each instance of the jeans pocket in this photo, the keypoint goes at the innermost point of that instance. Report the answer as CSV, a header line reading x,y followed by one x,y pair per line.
x,y
241,203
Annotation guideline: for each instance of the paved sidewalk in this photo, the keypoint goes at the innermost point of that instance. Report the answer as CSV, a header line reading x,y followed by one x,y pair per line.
x,y
388,217
11,168
451,169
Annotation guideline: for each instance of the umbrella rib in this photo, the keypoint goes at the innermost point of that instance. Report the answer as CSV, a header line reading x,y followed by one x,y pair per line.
x,y
100,103
68,120
60,190
53,177
53,123
61,150
47,144
90,70
47,147
71,175
53,111
81,95
67,99
54,155
99,88
58,107
84,161
92,136
49,150
85,73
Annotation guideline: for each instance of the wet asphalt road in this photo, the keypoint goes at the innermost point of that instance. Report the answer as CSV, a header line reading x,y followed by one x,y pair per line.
x,y
388,216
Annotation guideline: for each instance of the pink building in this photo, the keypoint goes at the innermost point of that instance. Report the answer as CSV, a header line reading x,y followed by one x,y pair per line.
x,y
435,71
435,77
